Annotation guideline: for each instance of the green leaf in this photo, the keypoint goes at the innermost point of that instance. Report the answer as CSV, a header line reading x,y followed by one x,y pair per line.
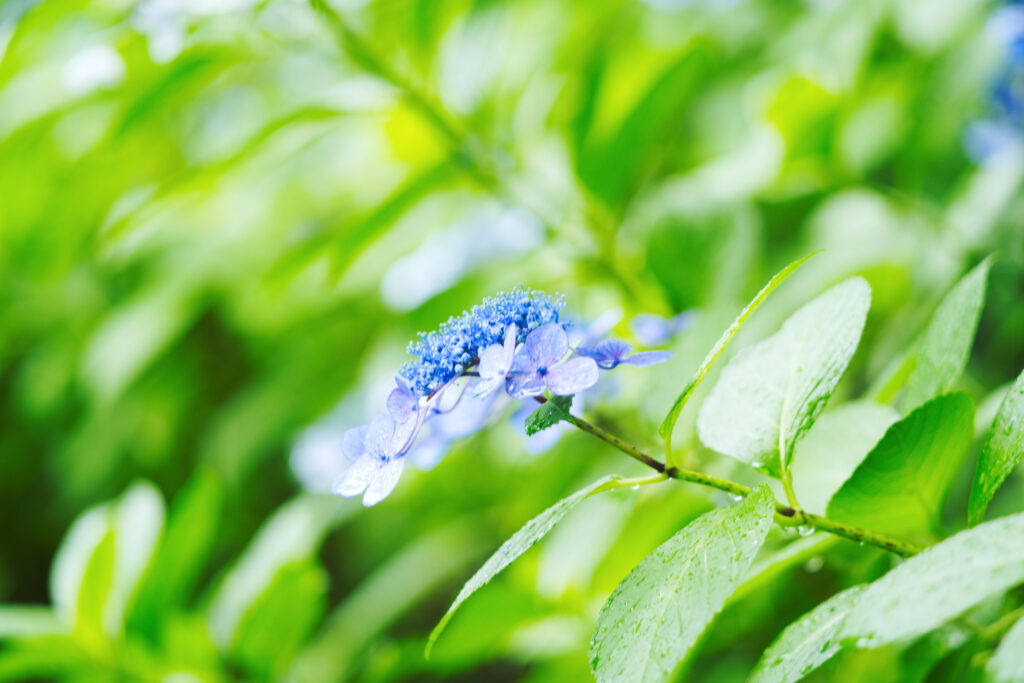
x,y
901,485
942,351
1002,452
660,609
771,393
519,543
550,413
669,423
277,624
808,642
832,450
1007,664
916,597
181,556
21,621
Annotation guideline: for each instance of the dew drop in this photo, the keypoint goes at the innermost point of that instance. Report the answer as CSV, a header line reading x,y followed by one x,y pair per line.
x,y
634,487
814,565
805,530
863,643
735,496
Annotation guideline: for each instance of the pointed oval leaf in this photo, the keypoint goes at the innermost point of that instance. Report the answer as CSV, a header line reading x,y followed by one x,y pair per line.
x,y
918,596
901,485
1007,664
519,543
771,393
660,609
669,423
942,351
1002,452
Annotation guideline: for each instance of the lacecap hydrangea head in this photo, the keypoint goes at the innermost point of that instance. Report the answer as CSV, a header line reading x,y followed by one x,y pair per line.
x,y
445,353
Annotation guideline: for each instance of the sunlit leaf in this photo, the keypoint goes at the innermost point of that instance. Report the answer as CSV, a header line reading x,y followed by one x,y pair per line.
x,y
919,595
771,393
28,620
519,543
1007,664
658,612
902,483
942,351
1002,452
669,423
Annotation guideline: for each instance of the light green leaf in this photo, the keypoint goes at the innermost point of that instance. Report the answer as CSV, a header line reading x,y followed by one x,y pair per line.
x,y
771,393
21,621
519,543
900,487
918,596
942,351
1007,664
73,557
669,423
660,609
550,413
834,447
1002,452
808,642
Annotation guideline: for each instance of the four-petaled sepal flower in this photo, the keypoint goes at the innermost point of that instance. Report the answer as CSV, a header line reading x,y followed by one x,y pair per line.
x,y
540,364
612,352
376,452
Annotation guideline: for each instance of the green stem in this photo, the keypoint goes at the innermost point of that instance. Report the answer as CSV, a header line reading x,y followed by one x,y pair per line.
x,y
785,512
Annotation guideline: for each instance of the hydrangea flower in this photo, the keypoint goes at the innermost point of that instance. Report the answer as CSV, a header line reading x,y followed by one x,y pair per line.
x,y
496,363
540,364
513,340
376,453
612,352
1002,130
448,351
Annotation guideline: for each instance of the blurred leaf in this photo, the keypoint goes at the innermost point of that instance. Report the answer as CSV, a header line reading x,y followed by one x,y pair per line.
x,y
550,413
945,345
138,521
49,658
669,423
182,554
413,573
28,620
276,625
1007,664
658,612
519,543
293,533
1002,452
902,483
771,393
919,595
94,592
75,559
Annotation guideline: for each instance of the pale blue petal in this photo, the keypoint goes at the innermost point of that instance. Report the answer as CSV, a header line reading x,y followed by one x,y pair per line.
x,y
647,358
495,361
357,477
483,387
522,364
402,404
384,482
379,435
353,442
525,386
547,344
575,374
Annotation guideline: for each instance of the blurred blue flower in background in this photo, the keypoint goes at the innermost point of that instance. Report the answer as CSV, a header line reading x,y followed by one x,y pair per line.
x,y
1003,130
651,329
611,353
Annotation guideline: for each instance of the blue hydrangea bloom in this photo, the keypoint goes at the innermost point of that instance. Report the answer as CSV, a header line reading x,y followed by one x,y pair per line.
x,y
541,365
448,351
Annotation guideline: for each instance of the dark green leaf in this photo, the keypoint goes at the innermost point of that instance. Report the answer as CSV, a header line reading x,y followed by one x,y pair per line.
x,y
550,413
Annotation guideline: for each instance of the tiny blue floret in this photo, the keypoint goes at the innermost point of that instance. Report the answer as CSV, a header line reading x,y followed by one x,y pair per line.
x,y
445,353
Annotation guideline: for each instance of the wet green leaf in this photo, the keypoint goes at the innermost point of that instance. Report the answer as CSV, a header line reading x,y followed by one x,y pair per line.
x,y
1002,452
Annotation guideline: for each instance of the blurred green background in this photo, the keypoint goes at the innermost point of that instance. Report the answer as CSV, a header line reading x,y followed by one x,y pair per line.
x,y
221,221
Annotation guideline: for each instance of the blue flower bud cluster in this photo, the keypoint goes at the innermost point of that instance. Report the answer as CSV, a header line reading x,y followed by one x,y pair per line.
x,y
445,353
